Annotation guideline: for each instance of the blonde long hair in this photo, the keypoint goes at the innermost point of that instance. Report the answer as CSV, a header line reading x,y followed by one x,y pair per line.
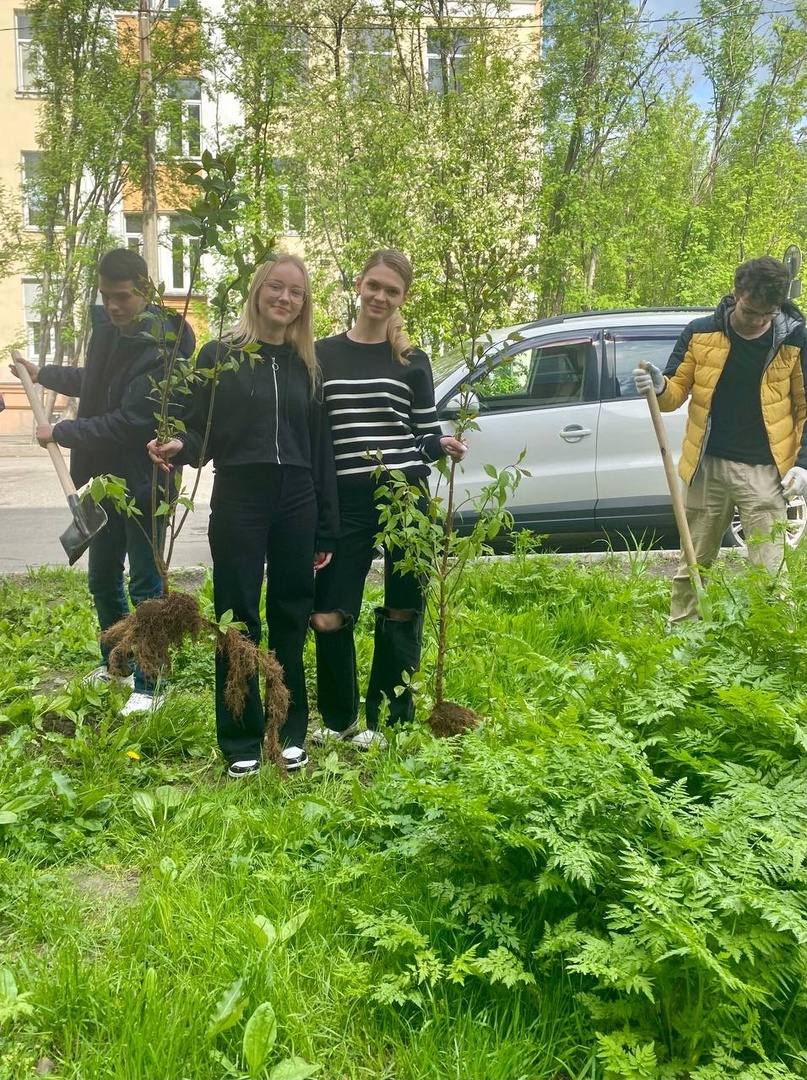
x,y
300,332
398,262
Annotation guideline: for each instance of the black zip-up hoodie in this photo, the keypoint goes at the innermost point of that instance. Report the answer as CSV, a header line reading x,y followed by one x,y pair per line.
x,y
117,397
264,413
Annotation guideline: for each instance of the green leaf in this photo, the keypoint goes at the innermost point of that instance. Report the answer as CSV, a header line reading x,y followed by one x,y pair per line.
x,y
8,985
293,1068
263,931
291,926
144,805
229,1010
7,817
260,1036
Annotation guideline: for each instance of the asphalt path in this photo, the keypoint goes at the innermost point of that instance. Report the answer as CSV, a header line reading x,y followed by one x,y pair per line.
x,y
34,513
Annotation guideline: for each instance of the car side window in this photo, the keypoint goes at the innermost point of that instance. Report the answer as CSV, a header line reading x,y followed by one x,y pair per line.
x,y
554,374
625,352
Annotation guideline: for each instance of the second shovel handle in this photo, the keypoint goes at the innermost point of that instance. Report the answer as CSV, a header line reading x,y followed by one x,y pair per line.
x,y
59,463
674,487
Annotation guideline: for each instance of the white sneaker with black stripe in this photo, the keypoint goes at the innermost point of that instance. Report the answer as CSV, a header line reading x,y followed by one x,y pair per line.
x,y
294,757
239,769
102,676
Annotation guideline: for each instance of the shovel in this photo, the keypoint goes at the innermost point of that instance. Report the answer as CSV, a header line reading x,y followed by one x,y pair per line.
x,y
675,490
88,517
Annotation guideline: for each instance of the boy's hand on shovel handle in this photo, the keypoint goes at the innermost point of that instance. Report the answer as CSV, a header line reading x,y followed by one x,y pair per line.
x,y
647,377
19,361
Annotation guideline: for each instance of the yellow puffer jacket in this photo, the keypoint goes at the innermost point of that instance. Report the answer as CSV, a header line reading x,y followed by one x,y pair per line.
x,y
697,363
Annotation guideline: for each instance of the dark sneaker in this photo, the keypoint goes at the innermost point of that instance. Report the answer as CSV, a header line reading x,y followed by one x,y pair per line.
x,y
243,768
294,757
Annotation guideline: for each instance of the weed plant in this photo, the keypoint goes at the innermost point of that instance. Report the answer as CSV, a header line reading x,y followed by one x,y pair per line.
x,y
606,880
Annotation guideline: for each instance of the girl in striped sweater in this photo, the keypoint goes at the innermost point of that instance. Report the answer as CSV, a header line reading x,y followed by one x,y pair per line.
x,y
379,395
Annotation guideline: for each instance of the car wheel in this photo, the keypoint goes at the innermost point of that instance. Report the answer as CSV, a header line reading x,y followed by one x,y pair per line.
x,y
796,523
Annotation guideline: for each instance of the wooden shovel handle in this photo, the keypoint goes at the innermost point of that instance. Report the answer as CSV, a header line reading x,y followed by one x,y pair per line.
x,y
52,448
673,484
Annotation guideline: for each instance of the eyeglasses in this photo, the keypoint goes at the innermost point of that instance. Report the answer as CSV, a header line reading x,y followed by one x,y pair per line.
x,y
277,288
766,315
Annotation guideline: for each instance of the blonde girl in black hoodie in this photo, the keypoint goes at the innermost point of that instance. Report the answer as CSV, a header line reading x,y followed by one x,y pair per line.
x,y
274,491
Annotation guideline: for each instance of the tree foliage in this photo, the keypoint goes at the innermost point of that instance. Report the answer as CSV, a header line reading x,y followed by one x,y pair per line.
x,y
621,160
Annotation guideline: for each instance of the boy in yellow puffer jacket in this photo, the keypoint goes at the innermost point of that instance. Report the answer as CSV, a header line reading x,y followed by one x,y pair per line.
x,y
744,369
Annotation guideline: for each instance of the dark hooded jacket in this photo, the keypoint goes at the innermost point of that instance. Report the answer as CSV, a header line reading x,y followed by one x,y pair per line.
x,y
117,398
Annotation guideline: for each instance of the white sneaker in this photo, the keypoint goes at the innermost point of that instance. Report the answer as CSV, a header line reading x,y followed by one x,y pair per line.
x,y
295,757
365,739
321,734
244,768
102,676
139,702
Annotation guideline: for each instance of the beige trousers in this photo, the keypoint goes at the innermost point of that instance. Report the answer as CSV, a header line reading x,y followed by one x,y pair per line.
x,y
710,499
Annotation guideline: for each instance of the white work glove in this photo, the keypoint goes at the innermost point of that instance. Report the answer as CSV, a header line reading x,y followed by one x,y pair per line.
x,y
647,380
794,483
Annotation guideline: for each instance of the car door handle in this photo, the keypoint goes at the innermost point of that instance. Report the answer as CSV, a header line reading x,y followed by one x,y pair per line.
x,y
574,433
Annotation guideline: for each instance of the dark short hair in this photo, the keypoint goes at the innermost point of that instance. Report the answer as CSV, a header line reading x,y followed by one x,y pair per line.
x,y
124,265
766,280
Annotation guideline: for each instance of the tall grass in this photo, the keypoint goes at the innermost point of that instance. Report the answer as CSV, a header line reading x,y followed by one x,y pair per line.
x,y
607,880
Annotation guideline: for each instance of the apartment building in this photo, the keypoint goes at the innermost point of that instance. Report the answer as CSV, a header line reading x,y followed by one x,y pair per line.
x,y
19,154
197,121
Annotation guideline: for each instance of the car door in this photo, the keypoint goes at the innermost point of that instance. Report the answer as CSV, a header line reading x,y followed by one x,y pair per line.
x,y
539,397
632,489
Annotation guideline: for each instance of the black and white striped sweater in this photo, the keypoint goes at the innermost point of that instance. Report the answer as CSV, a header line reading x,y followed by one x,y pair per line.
x,y
374,403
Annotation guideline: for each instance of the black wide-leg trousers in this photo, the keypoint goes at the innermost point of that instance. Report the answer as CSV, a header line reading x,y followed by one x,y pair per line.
x,y
263,520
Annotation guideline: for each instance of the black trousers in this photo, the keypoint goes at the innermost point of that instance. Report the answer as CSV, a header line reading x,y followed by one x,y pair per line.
x,y
340,587
264,517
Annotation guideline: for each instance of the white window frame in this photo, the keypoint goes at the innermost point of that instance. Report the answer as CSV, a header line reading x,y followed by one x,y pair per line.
x,y
459,53
169,242
190,119
26,51
282,167
26,161
133,230
31,291
295,43
363,46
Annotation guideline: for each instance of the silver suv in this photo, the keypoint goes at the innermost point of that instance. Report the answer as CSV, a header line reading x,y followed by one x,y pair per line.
x,y
564,393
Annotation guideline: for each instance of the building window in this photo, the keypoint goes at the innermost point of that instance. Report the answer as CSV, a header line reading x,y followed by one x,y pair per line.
x,y
292,202
34,209
26,54
185,125
133,224
184,252
295,49
31,300
177,254
453,47
370,54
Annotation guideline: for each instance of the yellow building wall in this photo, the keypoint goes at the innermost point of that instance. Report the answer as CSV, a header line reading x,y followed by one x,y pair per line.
x,y
18,122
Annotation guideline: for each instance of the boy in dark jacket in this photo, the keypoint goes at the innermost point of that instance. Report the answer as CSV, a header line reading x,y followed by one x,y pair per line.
x,y
126,355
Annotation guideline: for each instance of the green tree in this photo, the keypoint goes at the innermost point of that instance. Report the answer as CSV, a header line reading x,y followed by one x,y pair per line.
x,y
90,141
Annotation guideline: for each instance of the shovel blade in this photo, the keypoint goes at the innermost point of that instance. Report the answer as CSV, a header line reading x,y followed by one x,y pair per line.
x,y
88,520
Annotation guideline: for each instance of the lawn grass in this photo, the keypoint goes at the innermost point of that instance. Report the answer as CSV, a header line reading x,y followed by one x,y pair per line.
x,y
606,880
